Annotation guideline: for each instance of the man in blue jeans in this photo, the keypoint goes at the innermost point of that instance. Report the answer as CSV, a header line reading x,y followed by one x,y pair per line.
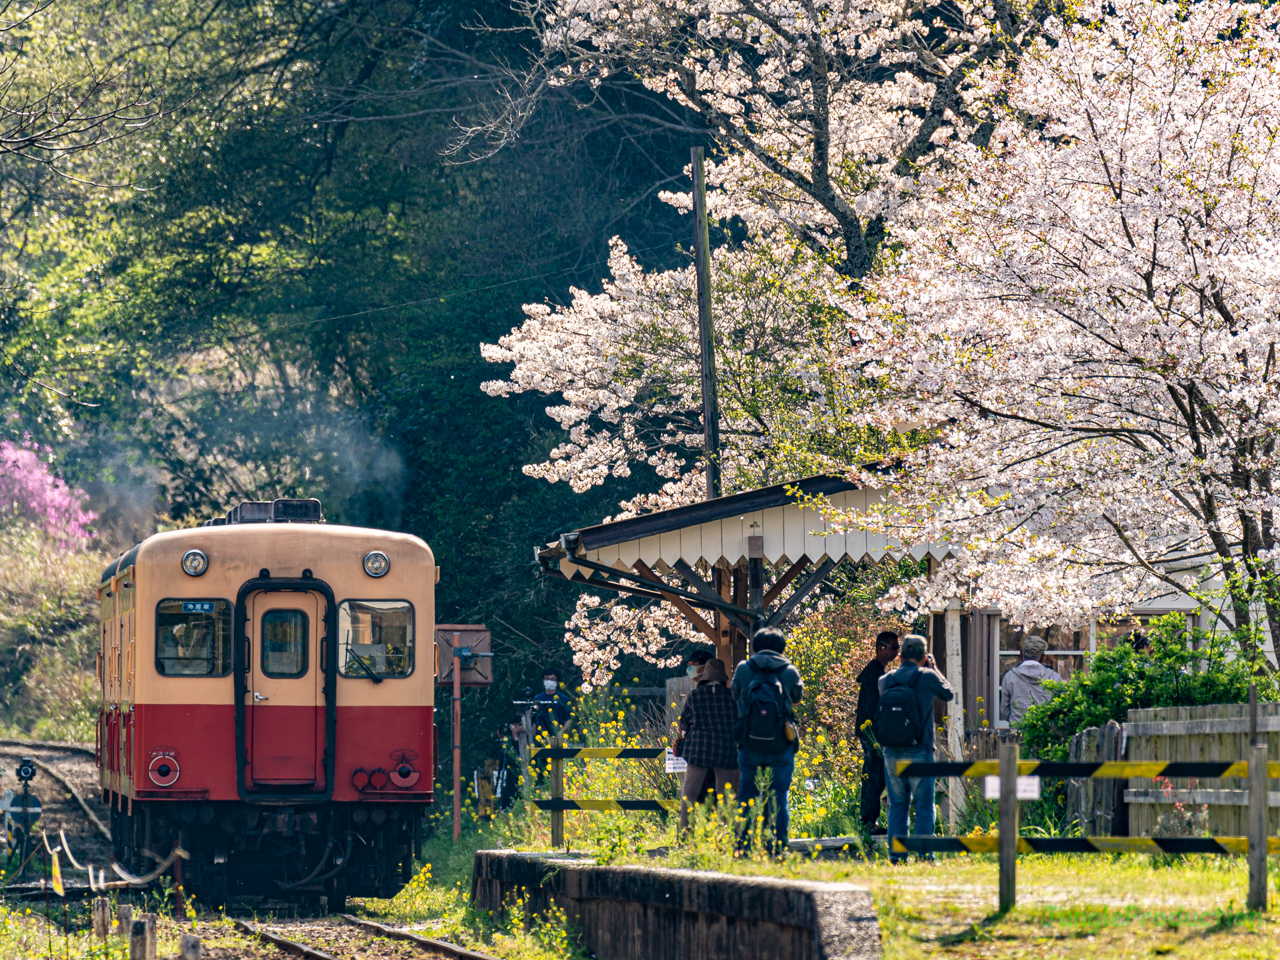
x,y
919,672
766,661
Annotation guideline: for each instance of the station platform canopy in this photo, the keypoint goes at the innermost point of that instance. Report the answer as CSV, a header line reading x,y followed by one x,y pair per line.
x,y
729,538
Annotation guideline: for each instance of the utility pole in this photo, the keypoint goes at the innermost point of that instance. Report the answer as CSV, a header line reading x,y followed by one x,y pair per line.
x,y
702,259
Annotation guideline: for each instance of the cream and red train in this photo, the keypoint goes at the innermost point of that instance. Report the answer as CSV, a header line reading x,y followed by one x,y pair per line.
x,y
267,697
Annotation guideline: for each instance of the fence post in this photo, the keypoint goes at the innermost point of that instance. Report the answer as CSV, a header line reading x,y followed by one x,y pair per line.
x,y
1258,822
138,940
557,793
150,922
190,947
124,913
1008,826
101,918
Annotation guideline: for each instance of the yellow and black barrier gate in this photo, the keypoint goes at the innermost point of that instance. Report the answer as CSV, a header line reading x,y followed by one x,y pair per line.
x,y
558,803
1109,770
1226,846
1008,844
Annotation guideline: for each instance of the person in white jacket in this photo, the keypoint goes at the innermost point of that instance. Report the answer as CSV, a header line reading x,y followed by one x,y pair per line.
x,y
1023,686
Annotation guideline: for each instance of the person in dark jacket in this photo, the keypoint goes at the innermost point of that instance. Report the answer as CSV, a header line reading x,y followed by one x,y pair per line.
x,y
767,660
887,647
919,672
553,708
707,723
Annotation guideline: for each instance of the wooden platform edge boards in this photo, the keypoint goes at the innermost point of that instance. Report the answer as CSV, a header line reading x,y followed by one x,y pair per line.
x,y
441,946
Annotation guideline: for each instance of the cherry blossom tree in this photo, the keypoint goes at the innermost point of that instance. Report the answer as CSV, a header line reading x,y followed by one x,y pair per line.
x,y
823,108
1088,311
626,363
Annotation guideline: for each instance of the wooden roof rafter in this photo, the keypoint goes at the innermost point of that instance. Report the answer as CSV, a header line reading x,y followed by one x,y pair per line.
x,y
739,532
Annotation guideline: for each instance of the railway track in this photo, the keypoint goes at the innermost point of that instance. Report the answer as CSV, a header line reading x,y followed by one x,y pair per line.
x,y
67,784
349,938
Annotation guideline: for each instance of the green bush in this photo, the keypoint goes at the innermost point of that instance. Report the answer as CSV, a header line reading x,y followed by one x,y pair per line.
x,y
1182,668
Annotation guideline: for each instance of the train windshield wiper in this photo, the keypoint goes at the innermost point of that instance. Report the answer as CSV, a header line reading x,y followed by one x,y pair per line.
x,y
364,666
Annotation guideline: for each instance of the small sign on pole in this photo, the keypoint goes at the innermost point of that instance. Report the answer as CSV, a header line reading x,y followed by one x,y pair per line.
x,y
676,764
1027,788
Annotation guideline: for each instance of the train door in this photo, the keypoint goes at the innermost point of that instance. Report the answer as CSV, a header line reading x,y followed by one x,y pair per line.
x,y
285,698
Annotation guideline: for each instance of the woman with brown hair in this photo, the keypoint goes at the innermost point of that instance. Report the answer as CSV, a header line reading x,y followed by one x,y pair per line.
x,y
706,726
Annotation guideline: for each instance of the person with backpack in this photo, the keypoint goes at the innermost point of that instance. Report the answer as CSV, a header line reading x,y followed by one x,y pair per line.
x,y
766,687
904,729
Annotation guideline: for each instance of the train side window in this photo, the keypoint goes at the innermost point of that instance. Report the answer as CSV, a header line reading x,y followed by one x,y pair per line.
x,y
284,643
193,638
375,637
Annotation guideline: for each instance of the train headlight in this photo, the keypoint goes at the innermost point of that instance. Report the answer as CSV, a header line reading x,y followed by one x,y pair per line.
x,y
376,563
194,563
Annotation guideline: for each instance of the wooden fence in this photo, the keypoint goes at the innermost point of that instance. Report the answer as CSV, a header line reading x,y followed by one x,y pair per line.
x,y
1097,805
1212,732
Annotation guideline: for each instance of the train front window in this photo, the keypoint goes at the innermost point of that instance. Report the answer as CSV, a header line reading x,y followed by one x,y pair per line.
x,y
193,638
284,643
375,638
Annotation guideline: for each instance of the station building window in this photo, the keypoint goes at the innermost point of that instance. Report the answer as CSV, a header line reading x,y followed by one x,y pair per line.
x,y
193,638
375,638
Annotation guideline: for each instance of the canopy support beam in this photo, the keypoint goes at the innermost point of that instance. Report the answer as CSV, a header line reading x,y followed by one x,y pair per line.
x,y
678,602
814,581
690,576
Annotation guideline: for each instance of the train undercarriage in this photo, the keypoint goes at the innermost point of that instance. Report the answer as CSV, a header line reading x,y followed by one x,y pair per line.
x,y
297,853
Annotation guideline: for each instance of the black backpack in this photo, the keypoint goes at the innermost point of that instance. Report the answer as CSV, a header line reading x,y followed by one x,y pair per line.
x,y
764,726
898,722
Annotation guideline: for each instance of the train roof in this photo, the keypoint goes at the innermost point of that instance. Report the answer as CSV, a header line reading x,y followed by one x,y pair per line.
x,y
253,519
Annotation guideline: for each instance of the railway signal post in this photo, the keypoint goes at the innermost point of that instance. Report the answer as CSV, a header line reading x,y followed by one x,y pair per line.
x,y
467,645
457,740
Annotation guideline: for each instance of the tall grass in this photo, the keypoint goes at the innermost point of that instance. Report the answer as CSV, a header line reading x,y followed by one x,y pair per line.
x,y
48,635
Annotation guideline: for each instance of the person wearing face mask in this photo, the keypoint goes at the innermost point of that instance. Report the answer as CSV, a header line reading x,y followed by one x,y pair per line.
x,y
694,665
553,708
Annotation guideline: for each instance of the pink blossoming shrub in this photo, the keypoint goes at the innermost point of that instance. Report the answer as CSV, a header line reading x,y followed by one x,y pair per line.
x,y
30,490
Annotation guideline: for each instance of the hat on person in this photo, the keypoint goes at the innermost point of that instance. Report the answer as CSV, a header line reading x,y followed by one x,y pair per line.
x,y
699,657
913,647
1033,648
714,672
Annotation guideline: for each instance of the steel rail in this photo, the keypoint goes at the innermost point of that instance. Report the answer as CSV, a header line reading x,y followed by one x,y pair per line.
x,y
288,946
440,946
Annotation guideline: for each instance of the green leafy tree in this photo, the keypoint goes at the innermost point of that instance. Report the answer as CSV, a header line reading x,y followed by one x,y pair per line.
x,y
1180,668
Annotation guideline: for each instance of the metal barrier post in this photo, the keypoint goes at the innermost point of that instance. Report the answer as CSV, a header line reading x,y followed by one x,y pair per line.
x,y
557,793
1008,826
1258,823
